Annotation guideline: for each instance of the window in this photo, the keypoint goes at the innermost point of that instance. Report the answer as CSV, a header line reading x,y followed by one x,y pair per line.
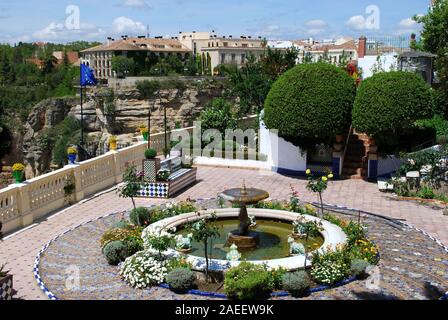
x,y
225,44
243,58
233,57
223,58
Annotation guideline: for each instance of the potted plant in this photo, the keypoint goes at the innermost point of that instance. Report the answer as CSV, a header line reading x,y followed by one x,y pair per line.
x,y
6,284
113,143
72,152
151,165
145,133
163,175
17,172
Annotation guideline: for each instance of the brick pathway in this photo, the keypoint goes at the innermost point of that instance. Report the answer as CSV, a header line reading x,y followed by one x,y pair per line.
x,y
20,250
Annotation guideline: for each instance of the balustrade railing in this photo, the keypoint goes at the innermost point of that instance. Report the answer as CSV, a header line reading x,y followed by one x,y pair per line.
x,y
21,204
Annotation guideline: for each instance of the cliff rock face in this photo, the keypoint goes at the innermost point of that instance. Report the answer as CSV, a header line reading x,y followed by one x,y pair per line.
x,y
104,116
130,111
45,115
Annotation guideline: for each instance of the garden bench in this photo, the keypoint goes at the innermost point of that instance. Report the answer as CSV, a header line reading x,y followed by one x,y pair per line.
x,y
179,179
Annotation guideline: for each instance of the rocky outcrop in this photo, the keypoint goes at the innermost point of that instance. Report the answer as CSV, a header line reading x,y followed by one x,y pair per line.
x,y
103,116
45,115
131,111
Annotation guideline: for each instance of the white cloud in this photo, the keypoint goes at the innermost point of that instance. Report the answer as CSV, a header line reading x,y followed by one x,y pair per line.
x,y
59,32
134,3
124,24
408,26
315,27
357,23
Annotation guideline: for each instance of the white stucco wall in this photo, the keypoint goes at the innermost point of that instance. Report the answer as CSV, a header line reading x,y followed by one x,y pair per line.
x,y
388,60
281,154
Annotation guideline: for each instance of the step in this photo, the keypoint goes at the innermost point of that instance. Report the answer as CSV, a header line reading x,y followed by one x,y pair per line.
x,y
352,177
354,171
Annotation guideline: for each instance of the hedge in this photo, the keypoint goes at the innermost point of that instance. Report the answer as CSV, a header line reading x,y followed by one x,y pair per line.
x,y
310,101
391,102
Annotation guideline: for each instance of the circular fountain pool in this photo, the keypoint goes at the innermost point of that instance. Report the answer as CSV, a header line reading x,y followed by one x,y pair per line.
x,y
274,226
273,241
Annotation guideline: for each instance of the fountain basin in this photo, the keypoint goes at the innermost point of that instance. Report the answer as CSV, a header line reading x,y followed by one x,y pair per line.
x,y
332,234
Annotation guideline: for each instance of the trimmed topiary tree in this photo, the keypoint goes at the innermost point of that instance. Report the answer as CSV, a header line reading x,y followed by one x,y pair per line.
x,y
115,252
297,283
180,279
310,102
391,103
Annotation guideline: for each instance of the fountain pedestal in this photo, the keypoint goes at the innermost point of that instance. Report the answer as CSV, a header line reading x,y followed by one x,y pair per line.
x,y
244,238
246,241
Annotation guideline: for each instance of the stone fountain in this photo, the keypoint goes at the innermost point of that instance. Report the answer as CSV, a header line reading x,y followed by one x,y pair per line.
x,y
243,238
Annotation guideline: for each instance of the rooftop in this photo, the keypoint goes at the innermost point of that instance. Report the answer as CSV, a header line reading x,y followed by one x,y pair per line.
x,y
139,44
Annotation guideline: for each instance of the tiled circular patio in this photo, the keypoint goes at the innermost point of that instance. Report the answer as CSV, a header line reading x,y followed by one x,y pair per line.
x,y
413,266
19,250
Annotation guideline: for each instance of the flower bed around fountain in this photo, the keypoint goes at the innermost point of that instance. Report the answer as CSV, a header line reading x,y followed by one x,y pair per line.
x,y
333,236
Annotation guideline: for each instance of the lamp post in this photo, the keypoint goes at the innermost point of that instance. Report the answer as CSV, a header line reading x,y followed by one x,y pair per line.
x,y
166,133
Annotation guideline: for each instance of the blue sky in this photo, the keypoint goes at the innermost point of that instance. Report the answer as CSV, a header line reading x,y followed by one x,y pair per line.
x,y
46,20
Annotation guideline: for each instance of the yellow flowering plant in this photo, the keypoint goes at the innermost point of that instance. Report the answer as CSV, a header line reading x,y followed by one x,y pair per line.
x,y
143,130
113,139
318,185
72,150
18,167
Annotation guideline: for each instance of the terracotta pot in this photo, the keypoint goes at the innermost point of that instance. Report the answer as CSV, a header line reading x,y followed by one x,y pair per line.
x,y
339,138
337,147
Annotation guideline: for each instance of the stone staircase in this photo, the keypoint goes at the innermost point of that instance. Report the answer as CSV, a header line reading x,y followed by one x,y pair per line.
x,y
356,157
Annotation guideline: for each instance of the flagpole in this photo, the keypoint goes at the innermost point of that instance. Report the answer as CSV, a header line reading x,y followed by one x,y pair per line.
x,y
82,120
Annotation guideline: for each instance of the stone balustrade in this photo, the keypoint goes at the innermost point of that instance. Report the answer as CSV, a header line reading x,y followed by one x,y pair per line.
x,y
22,204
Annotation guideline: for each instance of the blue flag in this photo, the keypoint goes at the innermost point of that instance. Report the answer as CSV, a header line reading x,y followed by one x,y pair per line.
x,y
87,76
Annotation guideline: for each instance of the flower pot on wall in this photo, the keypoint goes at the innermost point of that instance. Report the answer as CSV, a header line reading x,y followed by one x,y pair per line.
x,y
71,158
18,176
113,146
150,169
6,288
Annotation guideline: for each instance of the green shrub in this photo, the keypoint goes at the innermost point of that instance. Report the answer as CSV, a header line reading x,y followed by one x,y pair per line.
x,y
391,102
276,276
426,193
116,252
310,102
247,281
150,154
140,216
122,224
180,279
358,267
296,283
218,114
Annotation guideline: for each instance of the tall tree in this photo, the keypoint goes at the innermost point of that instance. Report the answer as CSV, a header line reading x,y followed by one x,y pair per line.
x,y
435,40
